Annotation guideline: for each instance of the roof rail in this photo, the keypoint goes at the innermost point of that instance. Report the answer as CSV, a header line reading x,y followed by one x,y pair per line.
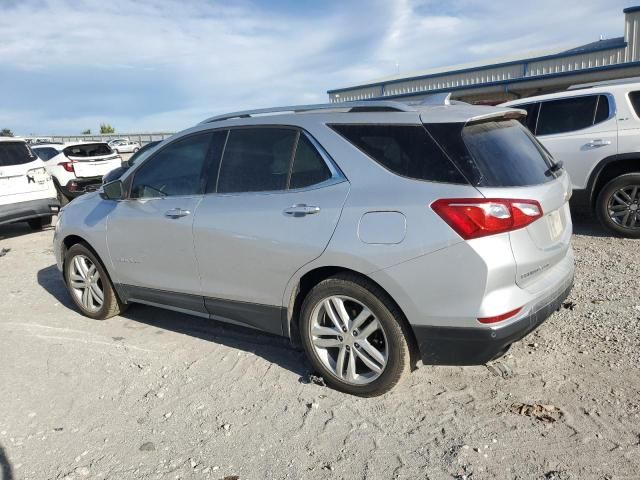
x,y
360,106
604,83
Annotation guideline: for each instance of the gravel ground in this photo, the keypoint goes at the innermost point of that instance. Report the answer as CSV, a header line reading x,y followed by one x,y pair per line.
x,y
155,394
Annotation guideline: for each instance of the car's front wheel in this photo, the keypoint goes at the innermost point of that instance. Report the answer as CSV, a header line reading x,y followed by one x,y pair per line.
x,y
618,205
89,285
354,336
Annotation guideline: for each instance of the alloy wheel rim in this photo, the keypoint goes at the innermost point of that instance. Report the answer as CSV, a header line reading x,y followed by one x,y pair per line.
x,y
348,339
86,283
624,207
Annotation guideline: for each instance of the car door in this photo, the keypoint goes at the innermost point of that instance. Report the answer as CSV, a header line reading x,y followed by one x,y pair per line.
x,y
149,234
273,208
580,131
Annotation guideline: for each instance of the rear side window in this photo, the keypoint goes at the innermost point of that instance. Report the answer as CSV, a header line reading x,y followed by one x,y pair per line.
x,y
88,150
15,153
634,97
532,115
570,114
406,150
309,167
256,160
495,154
45,153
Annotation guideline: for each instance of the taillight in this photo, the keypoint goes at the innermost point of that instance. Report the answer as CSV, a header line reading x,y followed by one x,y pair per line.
x,y
68,166
479,217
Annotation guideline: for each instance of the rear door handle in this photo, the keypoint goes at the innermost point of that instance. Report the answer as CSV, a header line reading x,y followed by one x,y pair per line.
x,y
598,143
301,210
176,213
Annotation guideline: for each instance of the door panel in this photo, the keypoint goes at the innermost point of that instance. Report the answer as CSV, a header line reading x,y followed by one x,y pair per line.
x,y
151,244
248,247
581,151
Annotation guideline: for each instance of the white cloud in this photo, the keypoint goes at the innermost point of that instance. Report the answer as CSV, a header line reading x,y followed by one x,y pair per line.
x,y
66,65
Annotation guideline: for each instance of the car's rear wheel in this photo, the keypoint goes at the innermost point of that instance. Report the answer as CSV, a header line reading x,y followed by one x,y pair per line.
x,y
354,336
135,150
40,222
89,285
618,205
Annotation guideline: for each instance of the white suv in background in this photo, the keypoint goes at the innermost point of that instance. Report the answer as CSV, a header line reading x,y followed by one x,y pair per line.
x,y
594,129
26,190
77,167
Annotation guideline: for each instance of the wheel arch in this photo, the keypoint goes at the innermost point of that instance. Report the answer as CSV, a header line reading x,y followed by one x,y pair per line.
x,y
610,168
316,275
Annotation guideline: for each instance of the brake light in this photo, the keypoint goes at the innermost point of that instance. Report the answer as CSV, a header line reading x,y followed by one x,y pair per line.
x,y
68,166
480,217
500,318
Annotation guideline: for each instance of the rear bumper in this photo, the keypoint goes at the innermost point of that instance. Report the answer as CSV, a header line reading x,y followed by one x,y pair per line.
x,y
475,346
78,186
17,212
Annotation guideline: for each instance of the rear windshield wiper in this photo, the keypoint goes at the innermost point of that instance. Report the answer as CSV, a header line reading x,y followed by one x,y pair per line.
x,y
555,167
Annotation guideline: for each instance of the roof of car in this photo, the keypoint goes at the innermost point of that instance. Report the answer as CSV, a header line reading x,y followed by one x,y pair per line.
x,y
440,111
11,139
577,91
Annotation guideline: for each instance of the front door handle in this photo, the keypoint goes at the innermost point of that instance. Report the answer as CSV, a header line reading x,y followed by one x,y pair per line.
x,y
300,210
176,213
598,143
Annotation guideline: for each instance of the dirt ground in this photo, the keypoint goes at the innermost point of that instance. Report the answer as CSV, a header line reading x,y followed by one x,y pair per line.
x,y
160,395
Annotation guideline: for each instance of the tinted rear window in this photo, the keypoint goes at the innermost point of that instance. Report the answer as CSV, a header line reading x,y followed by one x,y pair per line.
x,y
495,154
15,153
407,150
88,150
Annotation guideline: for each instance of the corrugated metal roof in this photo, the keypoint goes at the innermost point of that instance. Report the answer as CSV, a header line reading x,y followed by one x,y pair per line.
x,y
606,44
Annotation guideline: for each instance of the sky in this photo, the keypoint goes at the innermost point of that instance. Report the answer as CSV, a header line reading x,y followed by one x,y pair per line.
x,y
165,65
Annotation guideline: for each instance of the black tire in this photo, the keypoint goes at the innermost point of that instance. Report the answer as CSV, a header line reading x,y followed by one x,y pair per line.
x,y
62,198
111,304
630,228
40,222
387,313
135,150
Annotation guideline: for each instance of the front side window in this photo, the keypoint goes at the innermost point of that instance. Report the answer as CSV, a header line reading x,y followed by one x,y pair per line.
x,y
174,170
571,114
256,160
406,150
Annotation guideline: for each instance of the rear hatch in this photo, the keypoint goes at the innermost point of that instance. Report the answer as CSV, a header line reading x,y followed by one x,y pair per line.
x,y
21,172
92,159
504,161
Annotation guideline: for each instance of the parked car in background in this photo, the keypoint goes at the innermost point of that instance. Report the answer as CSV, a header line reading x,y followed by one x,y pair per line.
x,y
595,131
26,189
124,145
126,164
373,233
77,167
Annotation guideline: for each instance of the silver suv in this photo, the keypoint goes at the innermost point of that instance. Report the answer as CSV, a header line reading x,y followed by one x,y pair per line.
x,y
374,234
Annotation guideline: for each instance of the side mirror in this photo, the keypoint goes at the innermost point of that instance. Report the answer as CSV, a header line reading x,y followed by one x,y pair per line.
x,y
113,191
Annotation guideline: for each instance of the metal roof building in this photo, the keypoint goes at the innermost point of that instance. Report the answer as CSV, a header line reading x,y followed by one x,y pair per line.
x,y
514,77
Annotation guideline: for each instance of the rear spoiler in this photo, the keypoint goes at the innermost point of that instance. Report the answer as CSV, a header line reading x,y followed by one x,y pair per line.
x,y
506,114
